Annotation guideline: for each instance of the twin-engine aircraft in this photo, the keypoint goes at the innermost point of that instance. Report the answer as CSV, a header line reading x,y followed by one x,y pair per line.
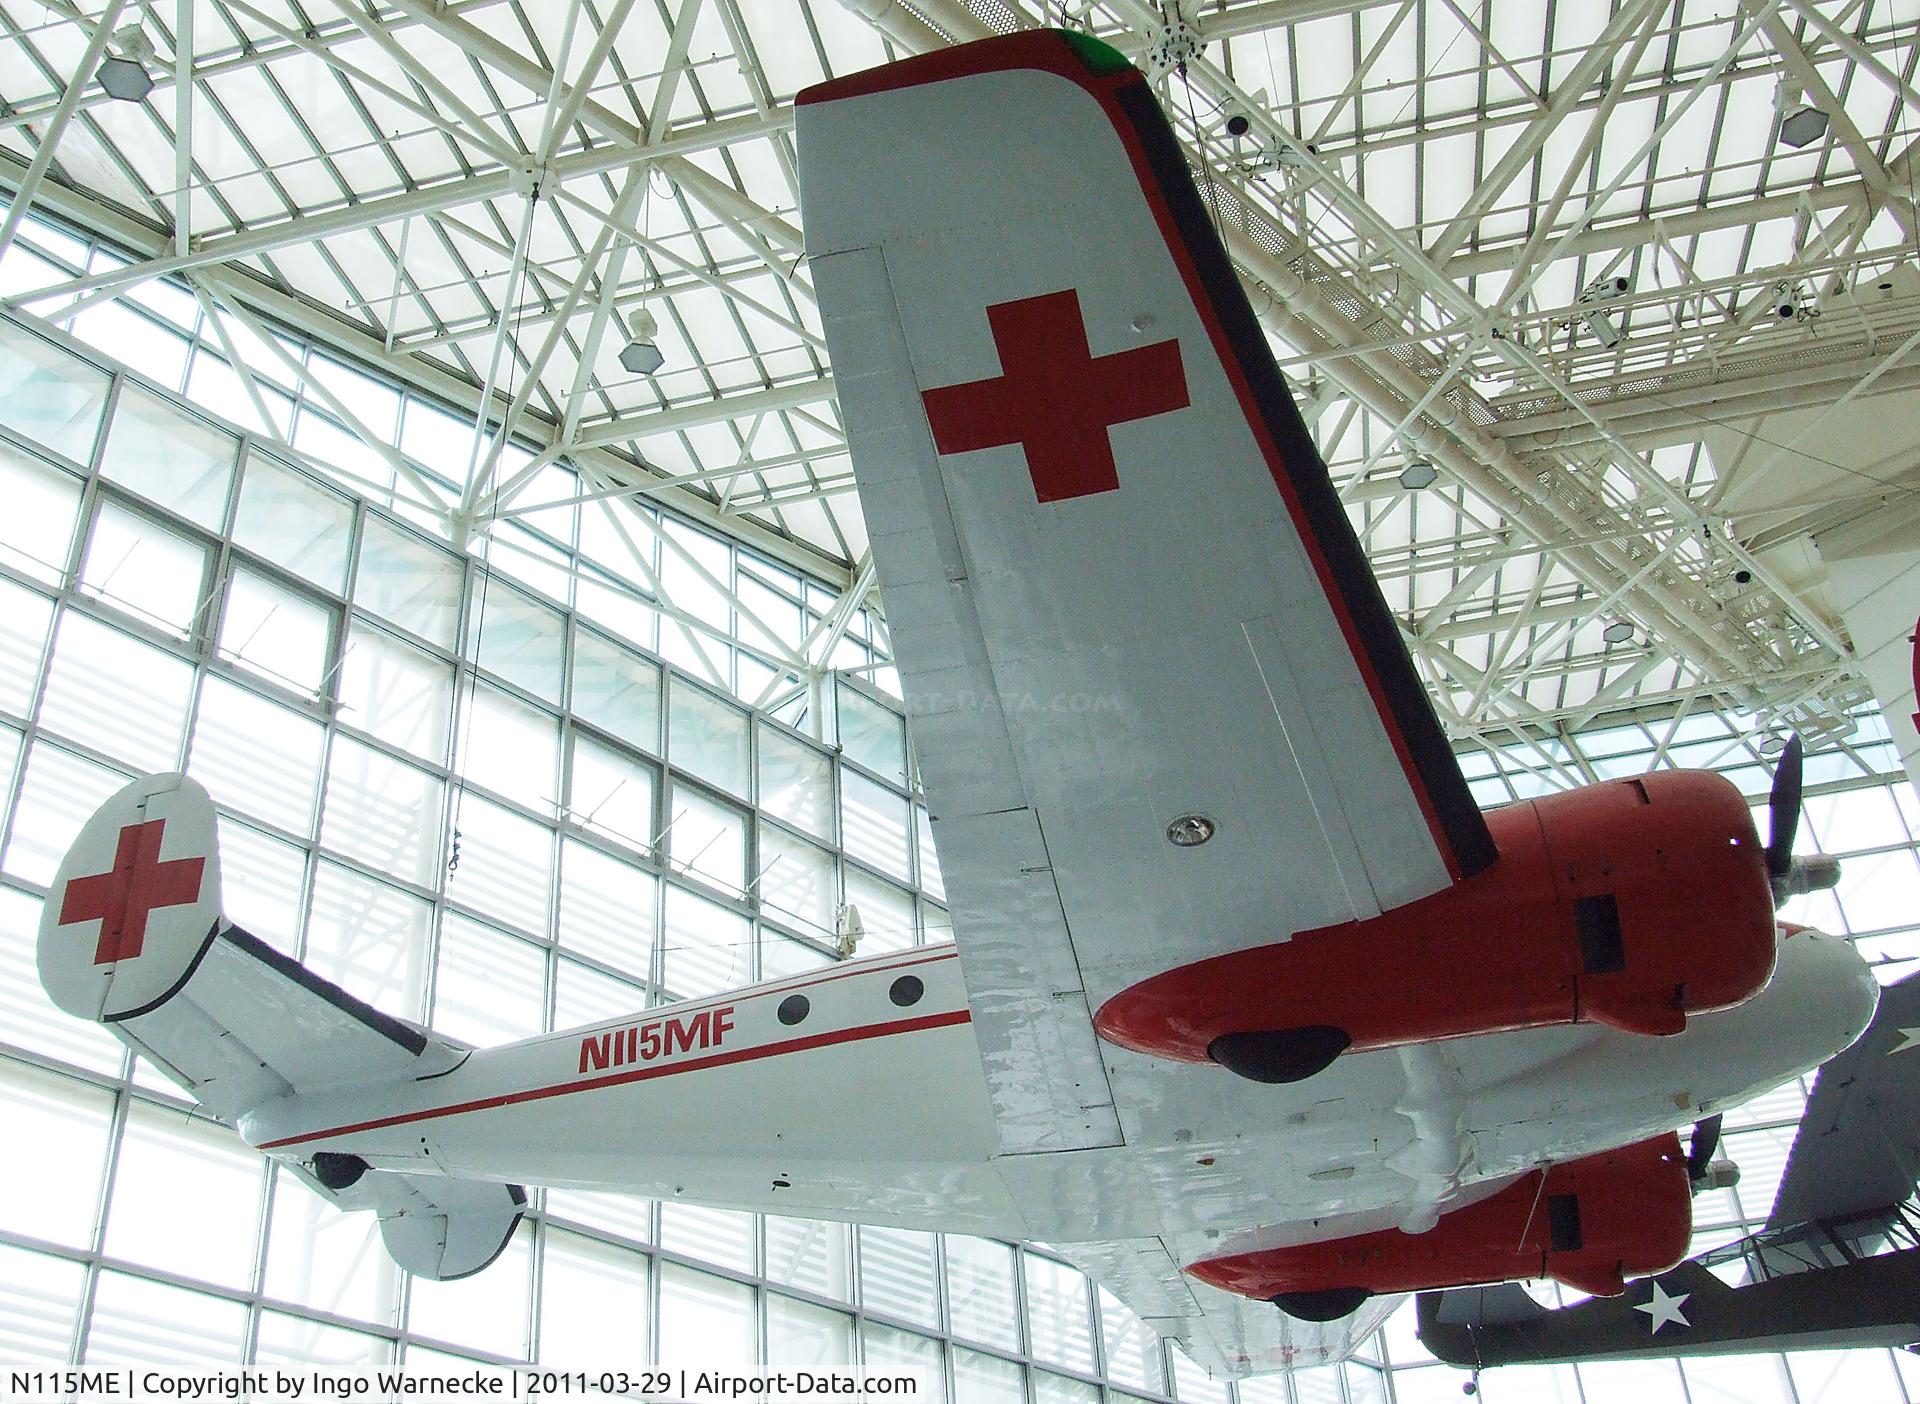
x,y
1251,1013
1837,1266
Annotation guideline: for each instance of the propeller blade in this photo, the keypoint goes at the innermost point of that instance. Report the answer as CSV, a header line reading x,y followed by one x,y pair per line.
x,y
1783,809
1704,1142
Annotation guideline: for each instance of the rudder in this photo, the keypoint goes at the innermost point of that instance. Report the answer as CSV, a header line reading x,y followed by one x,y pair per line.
x,y
135,902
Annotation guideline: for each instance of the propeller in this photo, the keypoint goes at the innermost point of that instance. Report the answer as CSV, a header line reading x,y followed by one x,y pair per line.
x,y
1783,809
1788,875
1703,1170
1701,1146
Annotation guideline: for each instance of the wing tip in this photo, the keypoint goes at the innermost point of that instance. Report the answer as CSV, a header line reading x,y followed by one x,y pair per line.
x,y
1079,57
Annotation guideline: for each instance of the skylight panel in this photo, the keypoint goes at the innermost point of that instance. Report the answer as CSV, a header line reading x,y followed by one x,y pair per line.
x,y
1322,52
1628,128
1390,179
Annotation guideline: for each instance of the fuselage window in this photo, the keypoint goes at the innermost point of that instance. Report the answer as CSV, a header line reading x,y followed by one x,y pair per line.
x,y
906,991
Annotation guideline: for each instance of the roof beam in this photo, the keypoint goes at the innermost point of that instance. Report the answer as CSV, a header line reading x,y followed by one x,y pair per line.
x,y
251,55
429,378
1276,14
444,194
1865,159
1631,20
79,82
1679,224
678,417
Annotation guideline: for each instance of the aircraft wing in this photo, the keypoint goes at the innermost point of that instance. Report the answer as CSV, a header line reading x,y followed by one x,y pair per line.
x,y
1119,585
1229,1336
1858,1147
1849,1305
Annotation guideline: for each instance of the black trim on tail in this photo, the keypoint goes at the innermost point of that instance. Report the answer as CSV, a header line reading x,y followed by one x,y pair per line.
x,y
1413,715
385,1025
174,988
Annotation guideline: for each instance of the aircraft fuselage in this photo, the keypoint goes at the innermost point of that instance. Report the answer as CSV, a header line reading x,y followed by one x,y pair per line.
x,y
857,1093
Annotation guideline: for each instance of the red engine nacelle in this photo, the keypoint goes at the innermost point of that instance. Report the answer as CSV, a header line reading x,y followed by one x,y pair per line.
x,y
1632,903
1592,1224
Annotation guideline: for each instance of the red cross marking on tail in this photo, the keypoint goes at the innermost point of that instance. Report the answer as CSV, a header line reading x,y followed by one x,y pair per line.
x,y
1055,398
138,882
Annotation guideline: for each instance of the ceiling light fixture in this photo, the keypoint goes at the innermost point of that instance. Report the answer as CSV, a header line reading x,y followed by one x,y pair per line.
x,y
642,354
1237,121
124,75
125,79
1418,474
1801,123
1803,126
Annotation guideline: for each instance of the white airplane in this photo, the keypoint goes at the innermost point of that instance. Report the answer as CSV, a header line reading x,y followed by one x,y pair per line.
x,y
1251,1013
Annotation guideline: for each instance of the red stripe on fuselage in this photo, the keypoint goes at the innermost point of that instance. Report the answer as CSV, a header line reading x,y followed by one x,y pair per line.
x,y
561,1089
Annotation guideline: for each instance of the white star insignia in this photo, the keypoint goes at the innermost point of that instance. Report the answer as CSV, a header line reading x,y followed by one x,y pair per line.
x,y
1909,1038
1661,1309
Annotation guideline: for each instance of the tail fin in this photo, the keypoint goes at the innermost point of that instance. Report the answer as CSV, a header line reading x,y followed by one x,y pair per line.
x,y
132,937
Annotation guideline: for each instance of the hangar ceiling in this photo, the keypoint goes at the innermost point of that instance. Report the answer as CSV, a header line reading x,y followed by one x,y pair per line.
x,y
1563,253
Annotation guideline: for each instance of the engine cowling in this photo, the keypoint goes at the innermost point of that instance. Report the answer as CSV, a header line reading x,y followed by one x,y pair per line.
x,y
1590,1224
1632,903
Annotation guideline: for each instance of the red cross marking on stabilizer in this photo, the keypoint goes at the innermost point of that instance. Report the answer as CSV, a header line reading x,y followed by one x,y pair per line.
x,y
1055,398
120,900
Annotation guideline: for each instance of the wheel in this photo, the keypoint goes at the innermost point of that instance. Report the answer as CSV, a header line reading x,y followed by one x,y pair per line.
x,y
1328,1304
1280,1055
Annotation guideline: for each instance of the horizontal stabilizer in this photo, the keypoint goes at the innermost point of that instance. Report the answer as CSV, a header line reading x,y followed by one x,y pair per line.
x,y
132,937
432,1225
250,1024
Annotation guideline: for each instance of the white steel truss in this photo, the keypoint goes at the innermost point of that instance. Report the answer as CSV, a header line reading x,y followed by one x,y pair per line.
x,y
479,198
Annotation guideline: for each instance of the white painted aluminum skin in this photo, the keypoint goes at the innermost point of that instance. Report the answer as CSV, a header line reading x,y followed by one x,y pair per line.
x,y
870,1104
